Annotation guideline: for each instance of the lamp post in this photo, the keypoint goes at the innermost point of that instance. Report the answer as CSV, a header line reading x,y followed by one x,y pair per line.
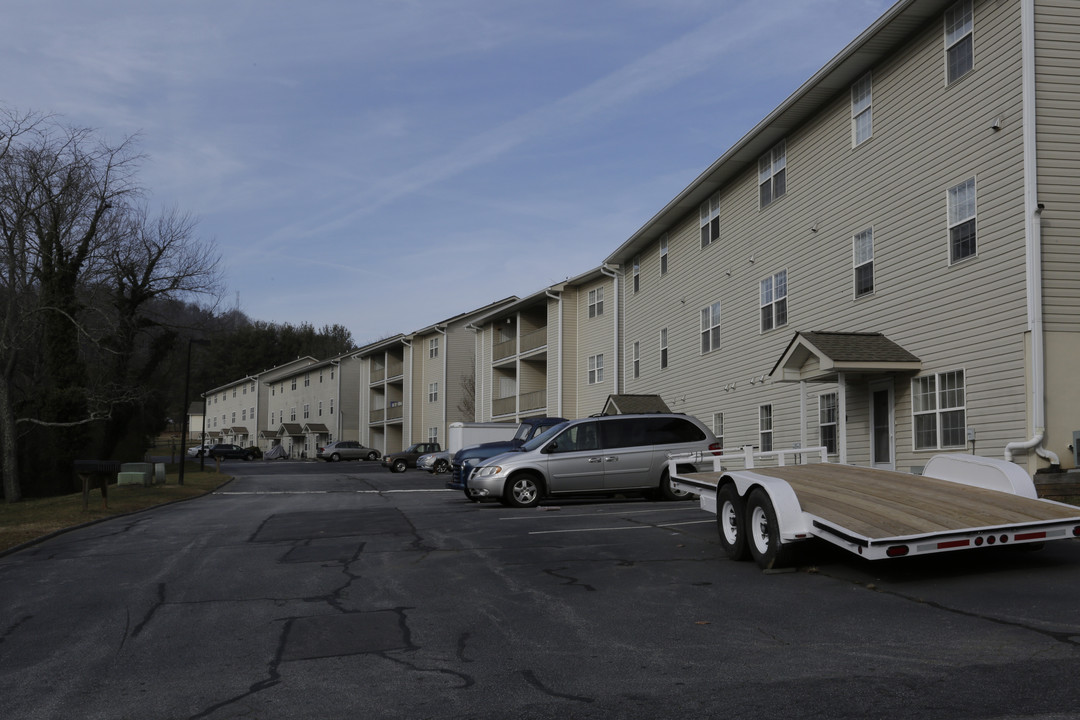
x,y
187,385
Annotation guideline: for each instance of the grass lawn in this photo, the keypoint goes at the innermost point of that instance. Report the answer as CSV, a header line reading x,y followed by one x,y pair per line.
x,y
23,521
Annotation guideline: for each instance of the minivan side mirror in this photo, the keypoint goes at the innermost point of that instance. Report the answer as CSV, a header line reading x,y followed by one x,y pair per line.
x,y
549,448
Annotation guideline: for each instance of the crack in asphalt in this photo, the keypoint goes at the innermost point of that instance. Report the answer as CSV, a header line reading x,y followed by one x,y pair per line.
x,y
530,677
273,677
13,627
151,612
569,580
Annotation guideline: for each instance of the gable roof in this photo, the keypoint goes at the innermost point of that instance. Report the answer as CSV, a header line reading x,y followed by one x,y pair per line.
x,y
819,356
629,404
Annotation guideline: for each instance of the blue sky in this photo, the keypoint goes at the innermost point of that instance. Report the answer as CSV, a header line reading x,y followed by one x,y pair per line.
x,y
386,164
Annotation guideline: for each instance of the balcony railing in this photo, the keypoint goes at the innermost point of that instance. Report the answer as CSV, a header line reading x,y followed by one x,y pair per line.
x,y
394,369
378,374
533,400
503,406
533,340
395,413
377,415
503,349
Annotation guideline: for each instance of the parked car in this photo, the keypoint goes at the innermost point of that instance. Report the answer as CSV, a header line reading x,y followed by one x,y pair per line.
x,y
346,450
597,455
226,451
399,461
527,430
198,450
438,462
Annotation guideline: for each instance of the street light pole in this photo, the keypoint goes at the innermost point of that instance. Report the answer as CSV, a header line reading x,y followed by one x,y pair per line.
x,y
187,386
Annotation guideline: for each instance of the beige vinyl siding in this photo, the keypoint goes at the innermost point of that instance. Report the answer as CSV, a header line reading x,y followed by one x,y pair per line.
x,y
1057,77
483,374
971,315
555,344
595,336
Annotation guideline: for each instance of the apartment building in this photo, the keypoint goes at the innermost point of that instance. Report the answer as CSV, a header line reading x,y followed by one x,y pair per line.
x,y
235,412
551,353
417,384
886,264
313,405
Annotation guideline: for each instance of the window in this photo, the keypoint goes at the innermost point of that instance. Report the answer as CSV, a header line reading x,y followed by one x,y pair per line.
x,y
827,421
709,213
293,384
331,406
331,373
234,392
862,248
710,328
596,302
959,41
252,414
765,427
433,392
307,410
637,359
320,408
636,273
962,220
433,348
433,434
307,379
596,369
233,417
663,348
772,174
320,376
862,118
939,411
663,254
244,390
243,414
292,414
774,301
272,418
718,428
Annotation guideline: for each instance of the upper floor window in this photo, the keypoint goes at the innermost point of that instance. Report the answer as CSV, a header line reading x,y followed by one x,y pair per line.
x,y
433,392
962,220
663,253
331,406
292,414
774,301
293,384
637,359
663,348
307,379
596,369
307,410
827,416
596,302
320,408
636,273
937,404
862,249
433,434
433,348
772,174
959,40
862,118
320,376
710,328
709,212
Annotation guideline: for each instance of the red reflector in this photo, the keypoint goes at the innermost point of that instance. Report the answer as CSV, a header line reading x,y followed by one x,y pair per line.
x,y
1076,531
717,449
953,544
1030,536
897,551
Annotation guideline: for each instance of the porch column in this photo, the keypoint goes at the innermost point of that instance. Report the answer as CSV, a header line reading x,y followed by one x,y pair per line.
x,y
841,417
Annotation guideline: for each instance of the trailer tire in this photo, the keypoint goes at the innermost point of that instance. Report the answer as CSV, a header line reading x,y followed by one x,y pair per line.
x,y
763,531
731,522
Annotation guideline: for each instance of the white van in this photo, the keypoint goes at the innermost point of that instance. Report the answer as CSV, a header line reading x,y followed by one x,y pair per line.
x,y
596,455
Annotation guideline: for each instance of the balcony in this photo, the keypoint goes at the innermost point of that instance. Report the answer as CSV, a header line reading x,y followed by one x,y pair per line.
x,y
534,339
394,369
395,412
533,400
504,406
503,349
378,374
377,416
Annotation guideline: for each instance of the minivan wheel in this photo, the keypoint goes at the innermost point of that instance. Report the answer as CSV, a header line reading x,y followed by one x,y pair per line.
x,y
667,492
522,491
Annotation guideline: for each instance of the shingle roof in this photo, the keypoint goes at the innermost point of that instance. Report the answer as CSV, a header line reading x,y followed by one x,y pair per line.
x,y
858,347
627,404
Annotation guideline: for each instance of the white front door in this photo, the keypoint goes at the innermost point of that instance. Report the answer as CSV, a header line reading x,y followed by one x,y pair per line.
x,y
882,448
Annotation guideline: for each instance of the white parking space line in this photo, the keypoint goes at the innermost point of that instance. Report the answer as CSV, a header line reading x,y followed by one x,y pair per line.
x,y
625,527
328,492
600,514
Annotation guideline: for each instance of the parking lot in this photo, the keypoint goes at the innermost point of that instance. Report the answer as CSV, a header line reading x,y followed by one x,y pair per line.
x,y
342,590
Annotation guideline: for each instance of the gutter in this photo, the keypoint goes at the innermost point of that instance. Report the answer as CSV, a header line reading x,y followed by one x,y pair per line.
x,y
1033,256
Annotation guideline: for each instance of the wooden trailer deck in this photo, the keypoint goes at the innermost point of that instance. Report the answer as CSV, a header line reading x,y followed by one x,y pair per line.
x,y
885,504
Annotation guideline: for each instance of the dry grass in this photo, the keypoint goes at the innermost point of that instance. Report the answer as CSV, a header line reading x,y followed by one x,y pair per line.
x,y
24,521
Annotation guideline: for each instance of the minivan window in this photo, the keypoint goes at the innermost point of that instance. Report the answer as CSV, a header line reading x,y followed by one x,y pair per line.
x,y
669,430
626,433
576,438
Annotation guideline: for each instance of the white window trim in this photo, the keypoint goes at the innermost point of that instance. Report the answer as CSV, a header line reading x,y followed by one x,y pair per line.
x,y
937,410
636,360
835,424
775,298
776,159
433,392
596,302
709,220
663,254
951,222
856,264
970,7
763,431
711,314
596,369
718,428
664,356
860,107
635,273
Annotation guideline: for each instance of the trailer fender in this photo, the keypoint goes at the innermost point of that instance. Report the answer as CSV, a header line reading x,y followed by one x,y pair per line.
x,y
984,472
794,524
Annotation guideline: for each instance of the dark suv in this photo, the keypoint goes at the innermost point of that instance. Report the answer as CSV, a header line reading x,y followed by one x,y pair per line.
x,y
233,452
397,462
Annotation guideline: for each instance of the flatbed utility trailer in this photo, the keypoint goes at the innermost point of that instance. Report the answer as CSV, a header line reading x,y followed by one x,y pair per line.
x,y
959,502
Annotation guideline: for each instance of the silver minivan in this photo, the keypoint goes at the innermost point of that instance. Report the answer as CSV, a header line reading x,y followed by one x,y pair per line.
x,y
596,455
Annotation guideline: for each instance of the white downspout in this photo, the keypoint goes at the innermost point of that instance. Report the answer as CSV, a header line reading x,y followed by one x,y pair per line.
x,y
558,353
1033,237
446,382
614,275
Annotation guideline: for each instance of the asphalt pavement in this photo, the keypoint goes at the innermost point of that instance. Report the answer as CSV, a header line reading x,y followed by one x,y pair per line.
x,y
305,590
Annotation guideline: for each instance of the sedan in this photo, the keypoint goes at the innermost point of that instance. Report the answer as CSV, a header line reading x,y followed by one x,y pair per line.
x,y
346,450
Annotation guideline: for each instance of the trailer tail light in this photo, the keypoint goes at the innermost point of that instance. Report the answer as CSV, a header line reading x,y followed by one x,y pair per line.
x,y
897,551
1032,536
1076,531
716,448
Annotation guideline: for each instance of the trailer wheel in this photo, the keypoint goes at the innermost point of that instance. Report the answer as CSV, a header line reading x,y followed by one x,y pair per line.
x,y
763,530
731,522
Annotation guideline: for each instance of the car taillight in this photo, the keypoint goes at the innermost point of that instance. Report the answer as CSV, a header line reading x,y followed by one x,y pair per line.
x,y
716,448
